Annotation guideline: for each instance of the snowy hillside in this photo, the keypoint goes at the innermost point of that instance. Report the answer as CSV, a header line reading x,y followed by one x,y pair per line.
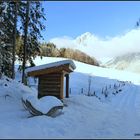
x,y
94,70
128,62
109,109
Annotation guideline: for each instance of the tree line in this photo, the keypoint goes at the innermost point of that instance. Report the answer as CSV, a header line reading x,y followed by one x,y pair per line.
x,y
49,49
20,24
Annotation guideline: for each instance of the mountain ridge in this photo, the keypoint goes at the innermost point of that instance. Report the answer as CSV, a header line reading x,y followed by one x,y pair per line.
x,y
127,62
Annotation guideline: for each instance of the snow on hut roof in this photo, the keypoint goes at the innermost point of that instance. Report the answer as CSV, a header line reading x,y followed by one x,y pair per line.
x,y
51,65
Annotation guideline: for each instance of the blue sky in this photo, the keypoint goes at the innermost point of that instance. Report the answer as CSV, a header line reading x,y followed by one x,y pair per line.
x,y
100,18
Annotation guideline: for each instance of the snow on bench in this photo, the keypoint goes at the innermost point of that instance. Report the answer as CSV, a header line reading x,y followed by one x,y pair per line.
x,y
47,105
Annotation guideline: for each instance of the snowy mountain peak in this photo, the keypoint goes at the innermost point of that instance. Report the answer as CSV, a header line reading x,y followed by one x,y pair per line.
x,y
100,47
86,35
86,38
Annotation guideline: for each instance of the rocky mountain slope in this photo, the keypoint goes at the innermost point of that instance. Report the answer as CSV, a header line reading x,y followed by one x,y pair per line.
x,y
129,62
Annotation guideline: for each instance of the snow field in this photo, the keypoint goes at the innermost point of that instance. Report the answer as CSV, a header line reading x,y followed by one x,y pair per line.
x,y
114,116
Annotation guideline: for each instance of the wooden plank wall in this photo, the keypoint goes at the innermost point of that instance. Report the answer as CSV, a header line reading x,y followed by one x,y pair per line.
x,y
49,84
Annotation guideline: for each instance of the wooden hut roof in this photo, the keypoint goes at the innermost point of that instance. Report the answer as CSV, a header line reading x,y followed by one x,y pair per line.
x,y
65,65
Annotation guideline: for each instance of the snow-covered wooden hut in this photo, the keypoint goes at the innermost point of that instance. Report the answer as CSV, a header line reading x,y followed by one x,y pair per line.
x,y
51,78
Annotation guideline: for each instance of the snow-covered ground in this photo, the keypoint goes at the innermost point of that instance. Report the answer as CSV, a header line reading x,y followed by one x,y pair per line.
x,y
111,111
94,70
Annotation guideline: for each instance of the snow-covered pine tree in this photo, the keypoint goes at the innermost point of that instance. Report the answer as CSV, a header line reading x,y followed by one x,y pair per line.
x,y
7,14
0,63
32,29
5,38
14,12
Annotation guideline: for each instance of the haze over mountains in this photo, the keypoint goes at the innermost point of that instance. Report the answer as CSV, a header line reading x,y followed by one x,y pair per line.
x,y
123,50
108,47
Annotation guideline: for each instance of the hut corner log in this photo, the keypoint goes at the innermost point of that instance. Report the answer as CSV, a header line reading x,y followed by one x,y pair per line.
x,y
67,85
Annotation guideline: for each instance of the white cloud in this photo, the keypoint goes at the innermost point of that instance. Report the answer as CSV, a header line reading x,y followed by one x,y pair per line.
x,y
102,48
65,42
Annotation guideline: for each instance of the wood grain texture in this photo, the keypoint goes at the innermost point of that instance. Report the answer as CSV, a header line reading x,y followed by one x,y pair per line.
x,y
49,84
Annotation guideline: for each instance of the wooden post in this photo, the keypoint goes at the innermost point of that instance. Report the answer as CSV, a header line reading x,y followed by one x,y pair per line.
x,y
39,93
67,85
62,86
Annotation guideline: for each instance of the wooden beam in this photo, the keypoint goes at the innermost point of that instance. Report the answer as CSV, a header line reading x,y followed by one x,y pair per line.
x,y
39,95
67,85
58,69
62,86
